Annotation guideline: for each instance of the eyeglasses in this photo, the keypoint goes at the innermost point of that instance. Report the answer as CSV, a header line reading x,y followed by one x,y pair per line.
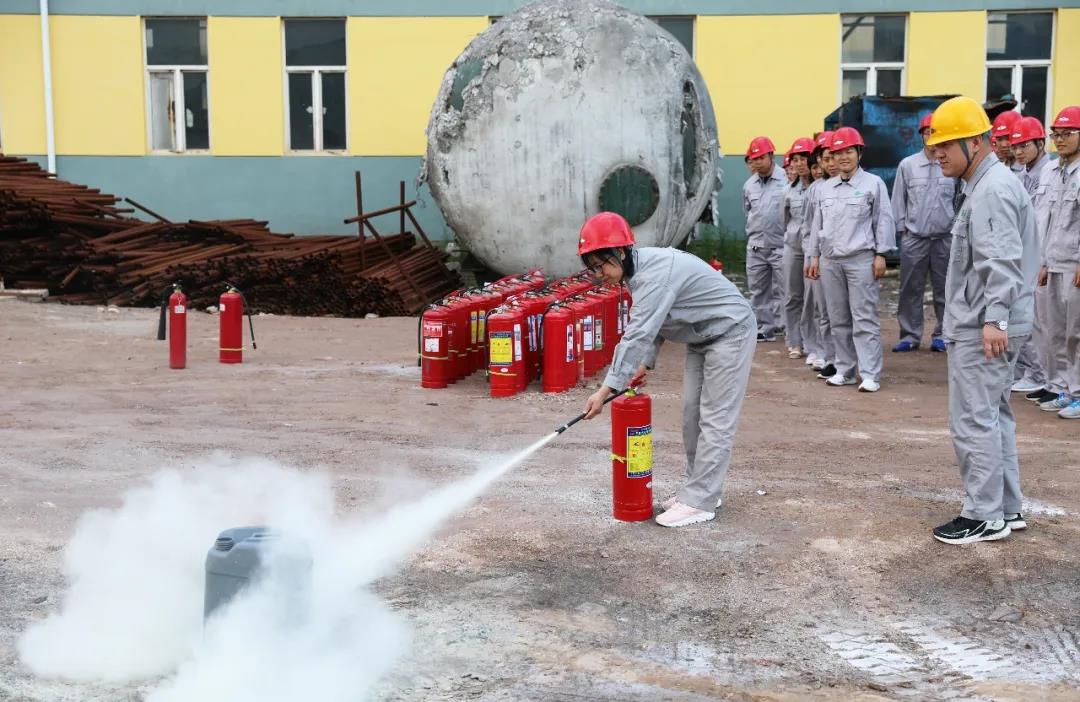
x,y
1063,133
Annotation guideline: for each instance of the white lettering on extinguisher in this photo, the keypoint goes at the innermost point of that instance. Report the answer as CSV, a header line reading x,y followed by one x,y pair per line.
x,y
569,343
588,340
517,342
222,307
179,309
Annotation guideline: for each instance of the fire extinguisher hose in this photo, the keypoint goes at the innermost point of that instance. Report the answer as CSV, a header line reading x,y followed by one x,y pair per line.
x,y
247,309
581,416
164,307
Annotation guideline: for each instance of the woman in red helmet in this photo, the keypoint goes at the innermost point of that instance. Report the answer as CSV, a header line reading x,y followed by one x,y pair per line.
x,y
678,297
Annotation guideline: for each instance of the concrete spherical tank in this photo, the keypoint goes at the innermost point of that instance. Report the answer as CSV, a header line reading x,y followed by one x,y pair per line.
x,y
561,110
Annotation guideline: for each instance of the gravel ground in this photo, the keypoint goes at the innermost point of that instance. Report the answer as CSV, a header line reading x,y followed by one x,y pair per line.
x,y
817,581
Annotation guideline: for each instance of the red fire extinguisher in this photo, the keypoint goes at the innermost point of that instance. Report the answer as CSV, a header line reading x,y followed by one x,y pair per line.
x,y
435,363
560,350
631,457
174,305
506,340
232,305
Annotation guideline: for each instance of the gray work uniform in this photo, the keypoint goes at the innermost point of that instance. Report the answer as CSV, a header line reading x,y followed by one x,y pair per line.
x,y
820,339
853,222
679,297
791,217
1059,223
992,268
922,203
762,199
1031,362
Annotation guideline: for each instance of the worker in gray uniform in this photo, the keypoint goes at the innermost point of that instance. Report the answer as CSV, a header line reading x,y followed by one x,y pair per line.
x,y
799,329
1059,276
824,165
1028,140
678,297
763,193
922,202
988,313
852,231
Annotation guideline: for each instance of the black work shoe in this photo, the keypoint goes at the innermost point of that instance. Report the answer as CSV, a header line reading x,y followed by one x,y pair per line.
x,y
772,337
1015,521
965,531
829,371
1040,395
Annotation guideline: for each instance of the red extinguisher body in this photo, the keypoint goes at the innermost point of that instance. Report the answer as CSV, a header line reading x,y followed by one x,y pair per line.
x,y
231,317
178,304
631,457
506,362
560,350
435,363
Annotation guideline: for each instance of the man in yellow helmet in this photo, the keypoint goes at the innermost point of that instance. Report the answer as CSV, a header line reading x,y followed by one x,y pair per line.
x,y
989,310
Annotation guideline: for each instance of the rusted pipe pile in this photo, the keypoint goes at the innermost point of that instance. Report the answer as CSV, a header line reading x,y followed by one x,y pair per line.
x,y
79,244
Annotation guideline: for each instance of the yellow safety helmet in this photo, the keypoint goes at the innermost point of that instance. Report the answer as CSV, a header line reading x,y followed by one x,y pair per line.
x,y
957,118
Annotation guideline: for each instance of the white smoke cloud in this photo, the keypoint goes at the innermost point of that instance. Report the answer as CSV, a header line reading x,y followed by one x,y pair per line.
x,y
133,609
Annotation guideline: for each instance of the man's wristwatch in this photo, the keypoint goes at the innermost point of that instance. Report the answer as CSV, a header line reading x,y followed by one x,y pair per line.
x,y
1003,326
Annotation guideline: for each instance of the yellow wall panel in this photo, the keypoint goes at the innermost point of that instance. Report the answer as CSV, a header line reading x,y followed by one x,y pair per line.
x,y
1066,68
22,91
395,67
246,94
760,85
98,85
947,54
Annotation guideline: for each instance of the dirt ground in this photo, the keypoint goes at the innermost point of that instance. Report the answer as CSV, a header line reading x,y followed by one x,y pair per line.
x,y
817,581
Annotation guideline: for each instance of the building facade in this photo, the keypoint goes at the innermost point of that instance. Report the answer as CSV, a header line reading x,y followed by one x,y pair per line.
x,y
248,108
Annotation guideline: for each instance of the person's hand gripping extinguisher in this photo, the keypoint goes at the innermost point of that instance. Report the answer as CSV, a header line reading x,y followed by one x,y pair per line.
x,y
595,404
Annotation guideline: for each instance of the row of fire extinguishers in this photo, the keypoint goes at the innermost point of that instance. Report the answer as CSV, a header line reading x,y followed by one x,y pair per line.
x,y
231,308
521,328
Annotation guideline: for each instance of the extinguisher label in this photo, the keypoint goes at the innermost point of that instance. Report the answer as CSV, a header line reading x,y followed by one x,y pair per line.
x,y
431,329
221,307
474,326
569,343
517,342
179,309
501,349
588,333
639,452
599,333
431,345
482,333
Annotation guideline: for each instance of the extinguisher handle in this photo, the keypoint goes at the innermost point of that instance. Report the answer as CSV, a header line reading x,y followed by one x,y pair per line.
x,y
581,416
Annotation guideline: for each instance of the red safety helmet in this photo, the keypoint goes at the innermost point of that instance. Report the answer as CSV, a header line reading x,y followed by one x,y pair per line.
x,y
802,145
606,230
1003,124
823,140
787,159
844,137
1068,118
759,146
1027,129
925,122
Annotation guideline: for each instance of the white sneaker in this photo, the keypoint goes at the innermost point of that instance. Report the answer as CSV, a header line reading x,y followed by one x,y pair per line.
x,y
820,364
869,385
1070,411
811,359
670,502
1056,405
794,352
1025,385
838,380
683,515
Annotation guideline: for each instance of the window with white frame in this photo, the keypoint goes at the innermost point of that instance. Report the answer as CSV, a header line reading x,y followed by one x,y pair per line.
x,y
176,85
1018,50
873,49
315,85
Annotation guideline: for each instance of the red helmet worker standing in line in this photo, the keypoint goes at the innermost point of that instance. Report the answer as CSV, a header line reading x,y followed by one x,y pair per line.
x,y
678,297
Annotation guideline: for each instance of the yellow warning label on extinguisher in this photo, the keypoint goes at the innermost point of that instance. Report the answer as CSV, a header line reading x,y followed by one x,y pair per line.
x,y
501,348
639,452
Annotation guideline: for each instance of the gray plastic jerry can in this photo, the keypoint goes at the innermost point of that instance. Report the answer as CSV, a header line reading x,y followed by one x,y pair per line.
x,y
233,563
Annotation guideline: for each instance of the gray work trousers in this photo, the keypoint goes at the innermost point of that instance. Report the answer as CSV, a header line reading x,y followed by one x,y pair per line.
x,y
920,255
1032,362
819,340
714,384
1062,334
851,294
797,325
983,428
765,280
